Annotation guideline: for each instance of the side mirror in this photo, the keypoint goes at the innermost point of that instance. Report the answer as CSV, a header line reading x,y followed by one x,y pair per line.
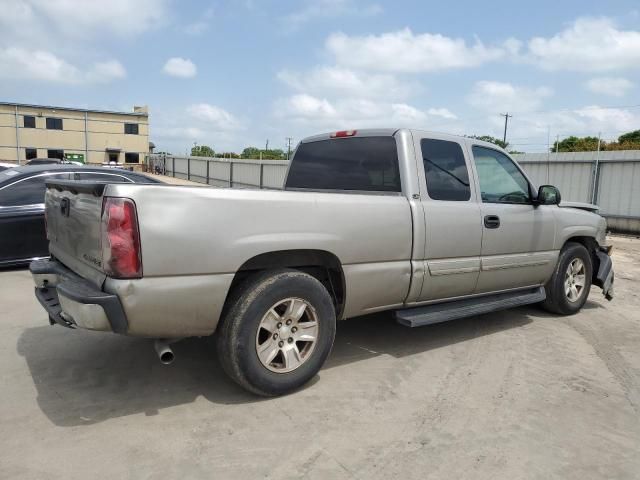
x,y
548,195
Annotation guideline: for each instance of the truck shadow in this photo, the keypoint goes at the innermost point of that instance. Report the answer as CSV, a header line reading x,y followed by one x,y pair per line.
x,y
84,378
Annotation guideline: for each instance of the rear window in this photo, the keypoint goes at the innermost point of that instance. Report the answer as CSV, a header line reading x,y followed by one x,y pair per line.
x,y
367,164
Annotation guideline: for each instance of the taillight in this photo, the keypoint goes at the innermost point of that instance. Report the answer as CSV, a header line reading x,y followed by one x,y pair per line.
x,y
344,133
121,256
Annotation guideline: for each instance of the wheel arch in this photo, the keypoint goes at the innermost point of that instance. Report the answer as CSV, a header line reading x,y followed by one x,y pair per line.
x,y
321,264
591,244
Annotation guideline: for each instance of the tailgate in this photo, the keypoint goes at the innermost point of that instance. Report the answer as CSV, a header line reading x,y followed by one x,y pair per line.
x,y
73,211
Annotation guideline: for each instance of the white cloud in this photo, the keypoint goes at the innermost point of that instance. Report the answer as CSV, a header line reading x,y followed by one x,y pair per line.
x,y
589,44
103,72
404,51
82,18
346,82
442,112
213,116
321,114
307,106
611,86
504,97
315,9
40,65
180,67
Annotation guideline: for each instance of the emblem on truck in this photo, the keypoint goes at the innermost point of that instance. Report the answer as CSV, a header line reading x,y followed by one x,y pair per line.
x,y
93,260
65,207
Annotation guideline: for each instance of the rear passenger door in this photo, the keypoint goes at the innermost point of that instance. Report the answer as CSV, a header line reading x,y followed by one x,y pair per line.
x,y
452,219
518,237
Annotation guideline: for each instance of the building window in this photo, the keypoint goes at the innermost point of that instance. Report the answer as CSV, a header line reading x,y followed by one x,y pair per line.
x,y
54,124
29,121
59,154
30,153
131,158
131,128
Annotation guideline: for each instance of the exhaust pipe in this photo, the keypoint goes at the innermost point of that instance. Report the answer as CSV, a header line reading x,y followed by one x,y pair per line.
x,y
164,351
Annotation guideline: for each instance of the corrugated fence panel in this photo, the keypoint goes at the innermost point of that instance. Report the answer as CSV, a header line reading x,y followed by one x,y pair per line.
x,y
181,167
574,179
198,170
273,176
219,173
246,175
619,189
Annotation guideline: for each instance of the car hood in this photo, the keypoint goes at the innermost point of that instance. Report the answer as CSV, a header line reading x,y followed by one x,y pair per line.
x,y
589,207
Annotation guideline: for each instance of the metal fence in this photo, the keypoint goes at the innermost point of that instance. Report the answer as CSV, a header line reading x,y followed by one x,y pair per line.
x,y
611,180
608,179
223,172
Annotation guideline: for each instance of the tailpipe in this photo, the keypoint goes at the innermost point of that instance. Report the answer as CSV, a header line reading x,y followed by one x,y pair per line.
x,y
164,351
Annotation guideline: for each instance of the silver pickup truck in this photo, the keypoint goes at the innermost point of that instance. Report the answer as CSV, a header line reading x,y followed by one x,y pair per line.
x,y
431,227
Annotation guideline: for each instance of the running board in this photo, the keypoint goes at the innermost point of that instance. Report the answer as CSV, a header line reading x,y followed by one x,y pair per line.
x,y
442,312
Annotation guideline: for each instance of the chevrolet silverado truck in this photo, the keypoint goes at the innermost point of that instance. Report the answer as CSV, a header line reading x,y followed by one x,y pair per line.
x,y
430,227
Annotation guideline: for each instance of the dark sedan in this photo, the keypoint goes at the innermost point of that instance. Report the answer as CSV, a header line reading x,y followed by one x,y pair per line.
x,y
22,232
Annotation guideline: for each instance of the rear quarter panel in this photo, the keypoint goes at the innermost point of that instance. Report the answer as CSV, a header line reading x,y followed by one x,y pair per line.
x,y
192,234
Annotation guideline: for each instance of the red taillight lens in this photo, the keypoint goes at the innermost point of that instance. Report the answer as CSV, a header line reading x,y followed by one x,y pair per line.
x,y
121,256
344,133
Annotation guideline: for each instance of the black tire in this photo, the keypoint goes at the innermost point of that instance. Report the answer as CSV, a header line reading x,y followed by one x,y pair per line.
x,y
557,300
236,334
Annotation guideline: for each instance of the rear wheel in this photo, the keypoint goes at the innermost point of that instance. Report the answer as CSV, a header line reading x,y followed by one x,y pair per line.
x,y
277,332
568,288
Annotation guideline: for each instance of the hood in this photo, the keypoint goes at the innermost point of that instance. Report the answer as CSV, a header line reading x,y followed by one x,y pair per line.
x,y
589,207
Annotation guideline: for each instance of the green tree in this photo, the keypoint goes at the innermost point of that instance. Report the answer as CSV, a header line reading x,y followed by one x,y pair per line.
x,y
577,144
631,137
490,139
250,152
228,155
202,151
271,154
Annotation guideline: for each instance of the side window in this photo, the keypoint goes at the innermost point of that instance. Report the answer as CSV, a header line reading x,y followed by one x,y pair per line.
x,y
100,177
445,169
500,180
27,192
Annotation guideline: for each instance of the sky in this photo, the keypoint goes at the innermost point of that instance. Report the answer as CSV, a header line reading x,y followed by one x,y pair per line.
x,y
232,74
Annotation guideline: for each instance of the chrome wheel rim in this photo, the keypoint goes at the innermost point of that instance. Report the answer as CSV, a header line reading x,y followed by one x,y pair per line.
x,y
574,280
287,335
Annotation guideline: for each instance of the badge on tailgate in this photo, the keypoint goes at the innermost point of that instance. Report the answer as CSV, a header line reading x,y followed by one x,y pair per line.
x,y
65,207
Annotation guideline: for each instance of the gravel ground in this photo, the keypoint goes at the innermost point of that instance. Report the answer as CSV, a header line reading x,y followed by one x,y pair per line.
x,y
509,395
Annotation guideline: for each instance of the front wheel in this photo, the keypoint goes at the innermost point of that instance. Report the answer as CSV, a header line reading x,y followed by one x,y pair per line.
x,y
568,288
277,332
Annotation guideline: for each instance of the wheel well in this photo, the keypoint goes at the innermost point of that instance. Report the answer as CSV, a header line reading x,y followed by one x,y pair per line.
x,y
322,265
592,247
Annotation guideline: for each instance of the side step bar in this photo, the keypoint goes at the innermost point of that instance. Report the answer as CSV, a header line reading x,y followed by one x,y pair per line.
x,y
442,312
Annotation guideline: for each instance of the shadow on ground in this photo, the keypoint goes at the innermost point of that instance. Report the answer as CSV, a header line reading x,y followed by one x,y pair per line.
x,y
87,377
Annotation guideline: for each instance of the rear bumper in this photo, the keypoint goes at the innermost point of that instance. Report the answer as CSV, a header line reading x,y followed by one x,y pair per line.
x,y
605,276
72,301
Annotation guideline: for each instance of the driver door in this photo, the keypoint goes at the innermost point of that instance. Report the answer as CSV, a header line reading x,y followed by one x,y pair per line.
x,y
517,237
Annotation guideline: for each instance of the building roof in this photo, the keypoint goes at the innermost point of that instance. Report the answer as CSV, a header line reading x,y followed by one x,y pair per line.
x,y
52,107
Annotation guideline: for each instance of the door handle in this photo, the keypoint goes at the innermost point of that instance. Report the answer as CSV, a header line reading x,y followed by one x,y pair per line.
x,y
491,221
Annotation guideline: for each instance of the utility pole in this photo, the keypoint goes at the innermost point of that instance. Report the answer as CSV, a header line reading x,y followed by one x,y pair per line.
x,y
289,140
506,122
266,147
